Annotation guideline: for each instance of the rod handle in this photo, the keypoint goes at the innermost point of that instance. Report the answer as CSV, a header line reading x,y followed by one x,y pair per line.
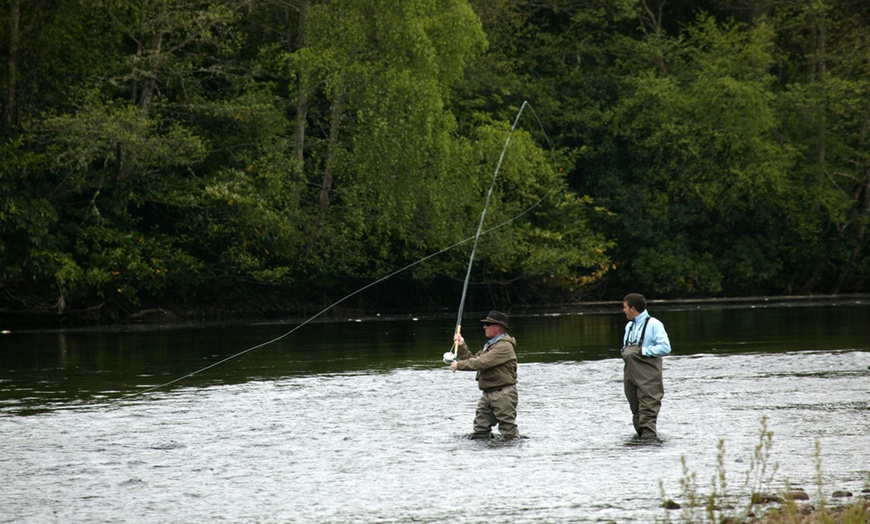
x,y
455,343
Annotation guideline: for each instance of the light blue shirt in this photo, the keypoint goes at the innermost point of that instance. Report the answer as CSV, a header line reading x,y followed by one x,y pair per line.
x,y
655,340
492,341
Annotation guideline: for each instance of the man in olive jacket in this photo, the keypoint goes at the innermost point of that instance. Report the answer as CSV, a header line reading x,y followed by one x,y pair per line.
x,y
496,366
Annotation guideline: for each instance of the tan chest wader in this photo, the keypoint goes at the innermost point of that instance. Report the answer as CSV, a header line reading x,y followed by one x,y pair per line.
x,y
644,388
497,405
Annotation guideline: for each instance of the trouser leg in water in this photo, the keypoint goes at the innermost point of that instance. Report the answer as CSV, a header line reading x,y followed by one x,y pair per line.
x,y
497,407
644,389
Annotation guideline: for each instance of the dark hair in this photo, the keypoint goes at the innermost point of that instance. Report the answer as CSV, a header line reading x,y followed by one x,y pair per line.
x,y
636,301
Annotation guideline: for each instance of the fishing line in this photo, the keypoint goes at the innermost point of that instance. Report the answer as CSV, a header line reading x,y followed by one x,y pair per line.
x,y
360,290
450,356
476,238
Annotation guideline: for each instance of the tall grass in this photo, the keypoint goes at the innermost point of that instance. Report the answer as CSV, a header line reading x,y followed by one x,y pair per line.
x,y
755,500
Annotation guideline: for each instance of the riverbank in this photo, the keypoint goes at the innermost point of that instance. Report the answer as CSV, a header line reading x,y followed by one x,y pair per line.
x,y
285,310
857,512
794,508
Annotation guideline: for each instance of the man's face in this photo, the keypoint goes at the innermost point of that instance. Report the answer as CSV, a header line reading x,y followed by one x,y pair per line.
x,y
490,330
630,312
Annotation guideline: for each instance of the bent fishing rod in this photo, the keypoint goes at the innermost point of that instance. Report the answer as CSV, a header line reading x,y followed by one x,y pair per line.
x,y
336,303
450,356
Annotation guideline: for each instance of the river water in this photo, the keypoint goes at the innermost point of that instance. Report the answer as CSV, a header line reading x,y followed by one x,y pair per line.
x,y
358,420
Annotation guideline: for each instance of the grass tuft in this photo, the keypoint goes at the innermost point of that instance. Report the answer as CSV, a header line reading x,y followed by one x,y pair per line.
x,y
756,502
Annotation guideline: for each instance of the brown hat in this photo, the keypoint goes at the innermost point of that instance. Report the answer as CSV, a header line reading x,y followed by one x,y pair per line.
x,y
496,317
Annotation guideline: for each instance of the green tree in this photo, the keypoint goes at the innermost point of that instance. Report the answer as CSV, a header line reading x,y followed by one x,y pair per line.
x,y
826,76
705,207
106,155
382,70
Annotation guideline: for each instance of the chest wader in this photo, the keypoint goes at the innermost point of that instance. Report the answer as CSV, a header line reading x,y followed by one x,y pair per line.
x,y
644,387
497,405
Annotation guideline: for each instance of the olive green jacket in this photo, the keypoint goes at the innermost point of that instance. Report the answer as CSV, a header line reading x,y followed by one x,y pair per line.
x,y
496,365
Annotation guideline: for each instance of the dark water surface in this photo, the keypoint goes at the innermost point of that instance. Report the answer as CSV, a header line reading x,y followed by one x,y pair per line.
x,y
359,421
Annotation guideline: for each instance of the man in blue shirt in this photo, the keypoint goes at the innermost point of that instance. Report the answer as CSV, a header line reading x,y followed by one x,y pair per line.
x,y
643,345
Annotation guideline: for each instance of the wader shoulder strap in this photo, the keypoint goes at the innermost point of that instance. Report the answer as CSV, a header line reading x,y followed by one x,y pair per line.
x,y
642,334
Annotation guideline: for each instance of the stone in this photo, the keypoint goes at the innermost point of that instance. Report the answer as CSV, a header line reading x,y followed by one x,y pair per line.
x,y
766,498
670,504
797,495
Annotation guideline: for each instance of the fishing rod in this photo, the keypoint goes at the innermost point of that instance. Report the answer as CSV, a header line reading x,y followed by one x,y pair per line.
x,y
450,356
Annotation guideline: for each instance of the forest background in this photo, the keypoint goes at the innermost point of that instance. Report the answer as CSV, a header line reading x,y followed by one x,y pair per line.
x,y
220,158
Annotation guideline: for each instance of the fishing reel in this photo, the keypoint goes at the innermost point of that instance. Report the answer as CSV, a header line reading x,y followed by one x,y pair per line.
x,y
449,357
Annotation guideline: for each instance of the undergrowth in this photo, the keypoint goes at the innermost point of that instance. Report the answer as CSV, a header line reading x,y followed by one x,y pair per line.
x,y
755,501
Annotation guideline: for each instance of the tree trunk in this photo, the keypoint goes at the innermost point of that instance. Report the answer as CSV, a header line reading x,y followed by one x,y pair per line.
x,y
155,47
817,70
653,20
820,68
862,192
301,99
326,185
9,116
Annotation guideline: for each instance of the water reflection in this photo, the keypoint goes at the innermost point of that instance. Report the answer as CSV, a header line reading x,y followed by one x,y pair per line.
x,y
78,365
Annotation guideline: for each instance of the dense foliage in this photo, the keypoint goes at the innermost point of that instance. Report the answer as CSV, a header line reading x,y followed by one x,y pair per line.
x,y
274,155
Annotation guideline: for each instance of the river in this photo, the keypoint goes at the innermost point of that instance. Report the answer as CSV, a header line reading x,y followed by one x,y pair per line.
x,y
358,420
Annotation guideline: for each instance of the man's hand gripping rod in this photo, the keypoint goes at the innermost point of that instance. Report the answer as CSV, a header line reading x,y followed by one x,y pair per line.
x,y
450,356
